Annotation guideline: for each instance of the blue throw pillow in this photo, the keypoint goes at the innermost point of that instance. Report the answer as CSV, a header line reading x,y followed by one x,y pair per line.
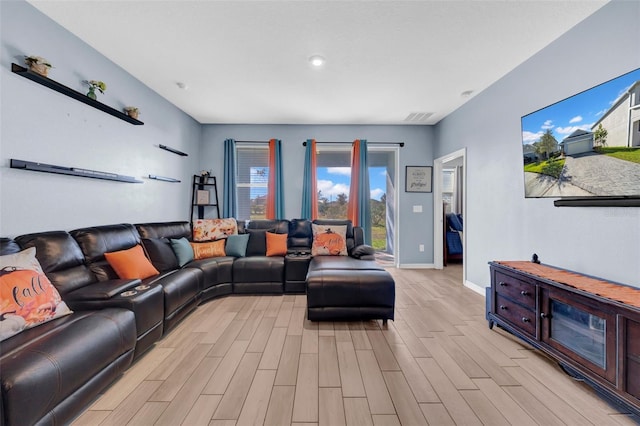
x,y
183,251
237,245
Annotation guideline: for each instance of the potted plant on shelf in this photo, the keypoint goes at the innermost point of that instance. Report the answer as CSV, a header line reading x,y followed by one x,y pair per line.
x,y
38,64
95,85
132,111
204,176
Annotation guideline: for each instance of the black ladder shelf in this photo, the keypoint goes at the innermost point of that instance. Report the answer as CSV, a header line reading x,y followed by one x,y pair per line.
x,y
201,195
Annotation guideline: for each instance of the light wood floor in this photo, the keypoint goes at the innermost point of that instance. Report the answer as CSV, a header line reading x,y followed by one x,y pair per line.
x,y
245,360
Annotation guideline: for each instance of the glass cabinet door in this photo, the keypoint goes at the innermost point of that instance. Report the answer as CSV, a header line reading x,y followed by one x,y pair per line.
x,y
580,331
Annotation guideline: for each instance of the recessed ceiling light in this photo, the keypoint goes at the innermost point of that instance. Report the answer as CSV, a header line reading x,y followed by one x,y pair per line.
x,y
466,93
317,60
182,85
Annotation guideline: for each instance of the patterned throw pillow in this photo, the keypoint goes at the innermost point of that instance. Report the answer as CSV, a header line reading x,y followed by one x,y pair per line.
x,y
329,240
214,229
206,250
27,297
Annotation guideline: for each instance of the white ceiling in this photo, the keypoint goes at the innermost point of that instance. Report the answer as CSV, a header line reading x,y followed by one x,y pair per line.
x,y
247,61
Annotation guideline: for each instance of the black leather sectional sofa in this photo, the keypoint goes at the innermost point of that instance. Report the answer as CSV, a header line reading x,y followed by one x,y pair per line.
x,y
51,372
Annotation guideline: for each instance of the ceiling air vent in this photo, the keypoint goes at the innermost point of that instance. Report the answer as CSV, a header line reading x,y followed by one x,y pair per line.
x,y
418,117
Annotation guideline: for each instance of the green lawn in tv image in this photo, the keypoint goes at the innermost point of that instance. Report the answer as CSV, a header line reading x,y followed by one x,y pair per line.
x,y
587,145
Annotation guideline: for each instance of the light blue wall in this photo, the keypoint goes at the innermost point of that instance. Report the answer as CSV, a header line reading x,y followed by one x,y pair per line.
x,y
500,222
414,228
38,124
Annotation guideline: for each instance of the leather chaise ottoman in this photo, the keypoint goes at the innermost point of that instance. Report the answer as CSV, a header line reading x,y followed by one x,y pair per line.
x,y
343,294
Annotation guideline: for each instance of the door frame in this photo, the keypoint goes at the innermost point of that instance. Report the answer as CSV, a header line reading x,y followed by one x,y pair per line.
x,y
395,150
438,211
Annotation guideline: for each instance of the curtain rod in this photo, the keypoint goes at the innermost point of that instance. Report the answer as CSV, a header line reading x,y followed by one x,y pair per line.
x,y
370,143
327,142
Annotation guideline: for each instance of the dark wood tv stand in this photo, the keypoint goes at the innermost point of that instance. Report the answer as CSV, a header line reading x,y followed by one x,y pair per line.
x,y
593,338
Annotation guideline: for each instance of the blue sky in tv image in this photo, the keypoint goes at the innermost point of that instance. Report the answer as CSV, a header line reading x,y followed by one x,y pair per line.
x,y
580,111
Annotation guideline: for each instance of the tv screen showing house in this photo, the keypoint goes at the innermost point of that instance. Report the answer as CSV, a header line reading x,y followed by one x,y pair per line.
x,y
587,145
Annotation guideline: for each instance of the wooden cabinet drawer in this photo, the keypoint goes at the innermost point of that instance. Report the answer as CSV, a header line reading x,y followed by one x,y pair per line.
x,y
520,291
517,315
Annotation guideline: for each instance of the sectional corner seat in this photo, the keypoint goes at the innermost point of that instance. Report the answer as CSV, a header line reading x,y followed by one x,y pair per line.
x,y
51,372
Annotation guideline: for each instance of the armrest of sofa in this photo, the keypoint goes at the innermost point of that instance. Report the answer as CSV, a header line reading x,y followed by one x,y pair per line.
x,y
102,290
363,252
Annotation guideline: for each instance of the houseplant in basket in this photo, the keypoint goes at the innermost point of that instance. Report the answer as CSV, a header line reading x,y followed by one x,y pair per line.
x,y
38,64
132,111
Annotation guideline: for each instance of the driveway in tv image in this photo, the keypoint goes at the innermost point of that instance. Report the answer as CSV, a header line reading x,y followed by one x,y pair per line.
x,y
587,174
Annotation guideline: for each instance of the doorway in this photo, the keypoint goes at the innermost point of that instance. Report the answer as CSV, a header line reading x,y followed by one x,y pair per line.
x,y
334,176
449,188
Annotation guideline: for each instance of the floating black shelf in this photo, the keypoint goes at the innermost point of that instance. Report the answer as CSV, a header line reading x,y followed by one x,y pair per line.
x,y
164,178
54,85
175,151
71,171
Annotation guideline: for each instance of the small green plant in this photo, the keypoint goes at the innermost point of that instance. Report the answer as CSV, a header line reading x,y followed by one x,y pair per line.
x,y
553,168
95,85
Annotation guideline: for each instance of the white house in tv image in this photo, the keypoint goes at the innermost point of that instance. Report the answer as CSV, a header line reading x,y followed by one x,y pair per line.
x,y
622,120
578,142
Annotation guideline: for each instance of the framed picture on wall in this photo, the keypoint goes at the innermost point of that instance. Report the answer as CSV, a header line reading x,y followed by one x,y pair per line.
x,y
418,179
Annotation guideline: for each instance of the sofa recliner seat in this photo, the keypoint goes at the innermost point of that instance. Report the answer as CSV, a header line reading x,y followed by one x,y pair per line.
x,y
63,262
258,275
180,288
52,371
217,271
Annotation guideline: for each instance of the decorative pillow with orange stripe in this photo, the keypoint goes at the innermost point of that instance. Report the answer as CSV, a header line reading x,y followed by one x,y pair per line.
x,y
206,250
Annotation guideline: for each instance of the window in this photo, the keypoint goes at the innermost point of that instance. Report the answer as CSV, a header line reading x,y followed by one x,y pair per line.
x,y
449,189
252,180
334,178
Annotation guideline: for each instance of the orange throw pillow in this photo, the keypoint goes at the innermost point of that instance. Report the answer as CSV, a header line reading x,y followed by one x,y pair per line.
x,y
276,244
206,250
131,263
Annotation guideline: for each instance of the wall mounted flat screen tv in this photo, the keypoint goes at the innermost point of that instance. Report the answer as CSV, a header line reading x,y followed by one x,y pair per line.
x,y
585,150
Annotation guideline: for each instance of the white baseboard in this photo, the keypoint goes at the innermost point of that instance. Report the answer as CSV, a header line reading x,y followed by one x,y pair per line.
x,y
475,287
417,266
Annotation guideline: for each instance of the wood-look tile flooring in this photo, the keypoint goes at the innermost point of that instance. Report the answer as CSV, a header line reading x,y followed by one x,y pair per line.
x,y
245,360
